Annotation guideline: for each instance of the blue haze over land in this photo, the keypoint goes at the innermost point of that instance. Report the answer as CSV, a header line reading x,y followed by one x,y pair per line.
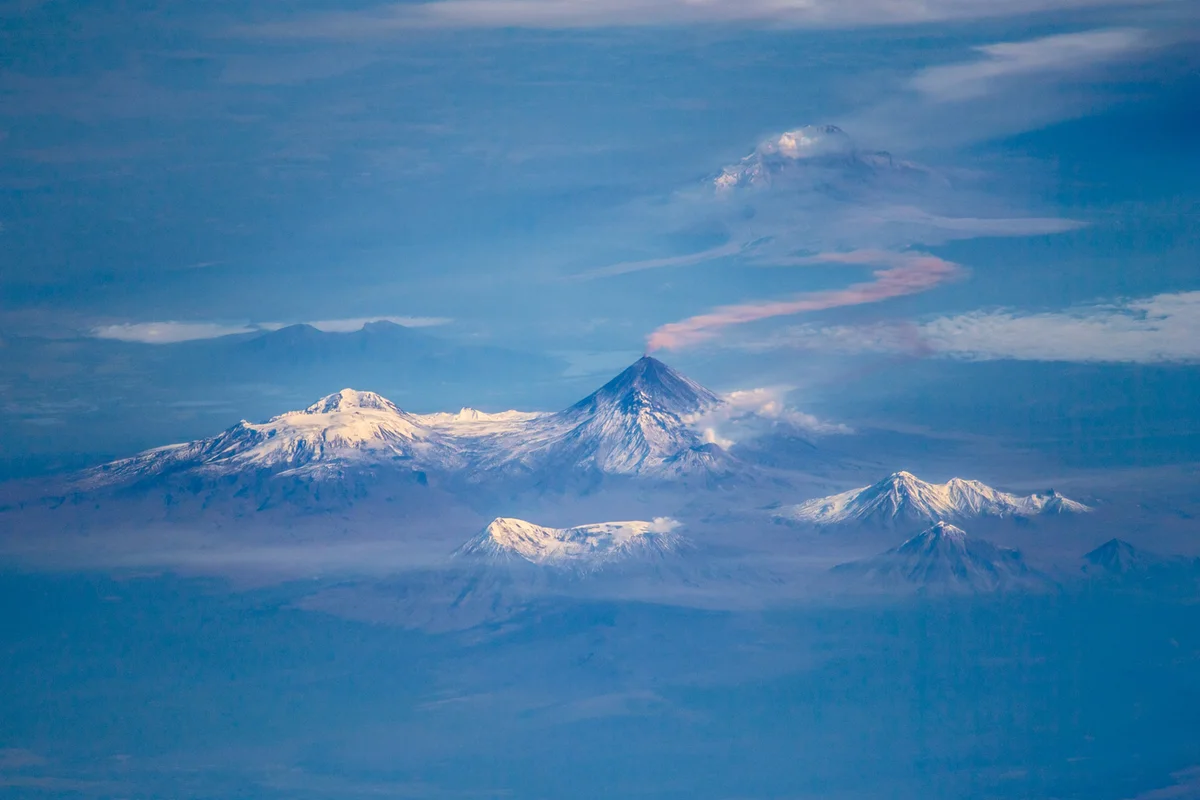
x,y
948,238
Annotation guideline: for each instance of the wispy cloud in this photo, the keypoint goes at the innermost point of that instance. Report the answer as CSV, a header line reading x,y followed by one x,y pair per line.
x,y
1034,57
1186,786
170,331
1161,329
687,260
386,19
750,413
902,274
1009,87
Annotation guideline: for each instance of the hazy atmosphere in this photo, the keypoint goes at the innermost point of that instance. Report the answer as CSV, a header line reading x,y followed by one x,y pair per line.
x,y
600,398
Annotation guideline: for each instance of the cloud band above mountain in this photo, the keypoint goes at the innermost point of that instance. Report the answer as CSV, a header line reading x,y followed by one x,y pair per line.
x,y
1161,329
385,19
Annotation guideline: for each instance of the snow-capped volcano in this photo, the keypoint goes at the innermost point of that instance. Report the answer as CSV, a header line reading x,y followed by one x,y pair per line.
x,y
341,429
637,424
584,547
823,156
903,497
943,557
649,384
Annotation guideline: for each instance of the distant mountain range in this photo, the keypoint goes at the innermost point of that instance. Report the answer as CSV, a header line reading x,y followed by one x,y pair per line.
x,y
943,558
1119,561
902,498
635,425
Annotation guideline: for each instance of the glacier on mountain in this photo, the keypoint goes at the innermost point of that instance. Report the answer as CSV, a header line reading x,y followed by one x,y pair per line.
x,y
903,497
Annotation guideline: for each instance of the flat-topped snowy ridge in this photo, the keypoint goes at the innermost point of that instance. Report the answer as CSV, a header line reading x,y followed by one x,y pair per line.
x,y
582,546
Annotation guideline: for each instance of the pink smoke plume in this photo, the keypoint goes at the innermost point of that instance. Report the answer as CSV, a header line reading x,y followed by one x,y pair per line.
x,y
902,274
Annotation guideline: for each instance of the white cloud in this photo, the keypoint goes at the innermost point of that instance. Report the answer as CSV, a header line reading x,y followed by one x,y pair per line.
x,y
1187,785
170,331
1006,88
1035,57
750,413
664,525
1161,329
167,332
565,14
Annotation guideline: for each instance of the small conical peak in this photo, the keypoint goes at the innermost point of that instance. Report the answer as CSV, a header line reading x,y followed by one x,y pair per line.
x,y
1112,551
650,382
942,537
500,522
945,529
647,368
1114,544
901,483
350,400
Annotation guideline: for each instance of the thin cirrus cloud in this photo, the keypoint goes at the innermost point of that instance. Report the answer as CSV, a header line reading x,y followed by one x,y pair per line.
x,y
687,260
1162,329
171,332
383,20
1009,87
1035,57
900,274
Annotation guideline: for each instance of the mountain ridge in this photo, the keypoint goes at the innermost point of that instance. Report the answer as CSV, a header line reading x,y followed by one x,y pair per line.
x,y
904,498
634,425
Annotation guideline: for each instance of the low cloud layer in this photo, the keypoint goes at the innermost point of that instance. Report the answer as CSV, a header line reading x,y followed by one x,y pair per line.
x,y
1162,329
169,331
900,274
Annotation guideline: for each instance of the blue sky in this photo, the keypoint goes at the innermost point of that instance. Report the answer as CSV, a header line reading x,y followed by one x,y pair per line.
x,y
1012,182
